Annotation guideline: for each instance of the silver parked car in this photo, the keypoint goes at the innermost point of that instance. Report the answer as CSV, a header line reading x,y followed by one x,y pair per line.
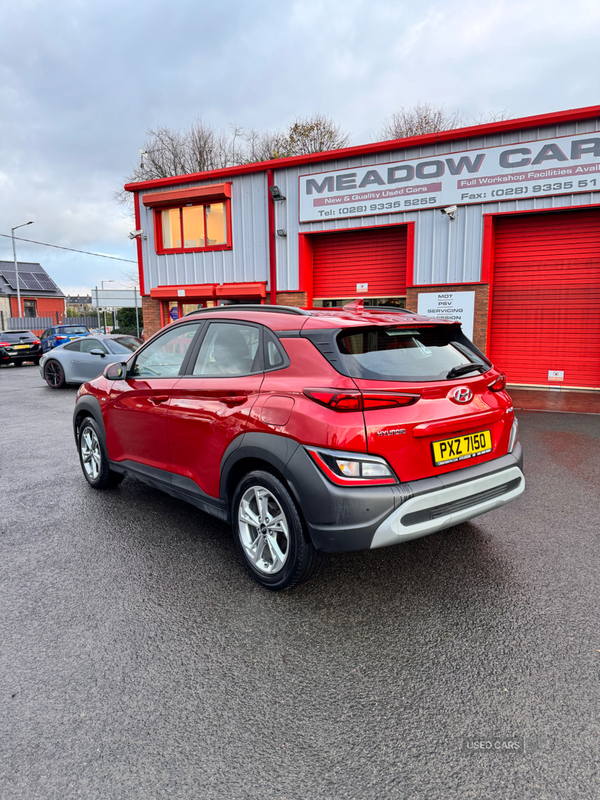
x,y
85,358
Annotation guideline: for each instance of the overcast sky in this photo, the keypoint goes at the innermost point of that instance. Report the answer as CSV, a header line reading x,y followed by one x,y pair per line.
x,y
81,81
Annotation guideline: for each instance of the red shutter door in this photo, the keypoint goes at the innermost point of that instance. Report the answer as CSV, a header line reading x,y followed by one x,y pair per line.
x,y
546,298
376,257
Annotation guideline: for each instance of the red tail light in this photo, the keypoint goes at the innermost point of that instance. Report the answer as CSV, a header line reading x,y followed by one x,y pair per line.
x,y
352,469
60,337
498,384
4,344
353,400
337,399
36,341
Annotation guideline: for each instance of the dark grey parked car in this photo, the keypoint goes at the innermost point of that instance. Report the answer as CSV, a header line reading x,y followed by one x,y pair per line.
x,y
16,347
85,358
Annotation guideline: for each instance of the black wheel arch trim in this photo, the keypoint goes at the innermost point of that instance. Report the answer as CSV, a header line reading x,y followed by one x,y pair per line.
x,y
267,447
88,406
337,518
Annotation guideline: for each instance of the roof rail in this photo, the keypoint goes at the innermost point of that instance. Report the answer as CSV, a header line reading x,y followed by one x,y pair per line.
x,y
252,307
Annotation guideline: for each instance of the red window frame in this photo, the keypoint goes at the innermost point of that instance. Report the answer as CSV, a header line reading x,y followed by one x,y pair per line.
x,y
158,231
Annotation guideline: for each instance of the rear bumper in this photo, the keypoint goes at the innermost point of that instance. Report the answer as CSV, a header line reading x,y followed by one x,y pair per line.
x,y
345,518
442,508
7,357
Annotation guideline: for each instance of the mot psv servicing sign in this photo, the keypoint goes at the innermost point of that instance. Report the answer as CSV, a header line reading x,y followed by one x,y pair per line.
x,y
562,165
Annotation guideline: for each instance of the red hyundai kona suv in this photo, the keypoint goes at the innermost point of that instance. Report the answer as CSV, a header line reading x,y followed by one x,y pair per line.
x,y
309,431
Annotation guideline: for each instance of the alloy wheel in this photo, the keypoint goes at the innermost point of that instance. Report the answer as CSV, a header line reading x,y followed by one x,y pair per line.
x,y
90,453
53,373
264,530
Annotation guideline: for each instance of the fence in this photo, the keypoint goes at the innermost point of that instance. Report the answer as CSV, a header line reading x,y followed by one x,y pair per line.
x,y
39,324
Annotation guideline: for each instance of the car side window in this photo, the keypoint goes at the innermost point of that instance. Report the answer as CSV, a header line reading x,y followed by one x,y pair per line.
x,y
229,349
87,345
73,346
46,333
164,357
275,356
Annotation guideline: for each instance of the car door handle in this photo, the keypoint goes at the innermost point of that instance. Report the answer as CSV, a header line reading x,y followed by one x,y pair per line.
x,y
233,399
156,400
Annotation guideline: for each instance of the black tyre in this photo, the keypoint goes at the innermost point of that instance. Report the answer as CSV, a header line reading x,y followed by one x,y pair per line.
x,y
94,458
18,363
270,533
54,374
36,362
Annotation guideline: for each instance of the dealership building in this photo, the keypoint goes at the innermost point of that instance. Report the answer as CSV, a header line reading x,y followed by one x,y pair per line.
x,y
497,225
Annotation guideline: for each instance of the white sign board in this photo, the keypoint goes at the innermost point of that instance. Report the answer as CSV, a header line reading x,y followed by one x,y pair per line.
x,y
562,165
449,305
115,298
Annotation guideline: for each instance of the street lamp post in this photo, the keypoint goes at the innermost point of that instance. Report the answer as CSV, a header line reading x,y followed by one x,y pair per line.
x,y
108,280
12,233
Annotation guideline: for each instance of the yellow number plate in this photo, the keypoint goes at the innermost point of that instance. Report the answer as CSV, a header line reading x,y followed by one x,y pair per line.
x,y
21,346
461,448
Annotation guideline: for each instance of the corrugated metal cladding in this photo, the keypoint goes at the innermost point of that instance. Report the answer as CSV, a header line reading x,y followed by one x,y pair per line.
x,y
247,261
546,298
445,252
375,257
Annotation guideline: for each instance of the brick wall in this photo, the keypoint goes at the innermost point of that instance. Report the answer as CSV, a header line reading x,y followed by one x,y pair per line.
x,y
296,299
482,300
151,310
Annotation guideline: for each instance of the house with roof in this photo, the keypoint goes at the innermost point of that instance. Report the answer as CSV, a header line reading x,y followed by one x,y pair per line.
x,y
80,303
40,296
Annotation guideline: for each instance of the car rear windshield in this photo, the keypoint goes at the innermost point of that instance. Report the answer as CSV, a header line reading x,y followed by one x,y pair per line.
x,y
14,336
69,329
419,353
124,344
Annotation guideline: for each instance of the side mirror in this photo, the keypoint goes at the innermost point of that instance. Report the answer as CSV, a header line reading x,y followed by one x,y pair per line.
x,y
116,372
98,352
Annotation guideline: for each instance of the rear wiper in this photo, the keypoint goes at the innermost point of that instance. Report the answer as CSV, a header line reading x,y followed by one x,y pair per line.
x,y
462,370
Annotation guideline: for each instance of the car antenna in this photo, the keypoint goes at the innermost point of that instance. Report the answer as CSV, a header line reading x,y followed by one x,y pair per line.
x,y
356,306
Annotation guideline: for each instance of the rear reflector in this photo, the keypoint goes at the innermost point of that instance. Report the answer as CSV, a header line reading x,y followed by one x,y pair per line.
x,y
350,400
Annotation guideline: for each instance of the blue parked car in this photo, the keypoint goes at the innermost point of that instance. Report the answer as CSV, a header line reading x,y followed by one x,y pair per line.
x,y
61,334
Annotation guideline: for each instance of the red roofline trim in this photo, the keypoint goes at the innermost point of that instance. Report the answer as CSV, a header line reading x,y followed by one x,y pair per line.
x,y
540,120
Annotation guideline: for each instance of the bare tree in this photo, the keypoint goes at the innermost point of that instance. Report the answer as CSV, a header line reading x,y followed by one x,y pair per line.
x,y
491,116
264,145
169,152
200,148
422,118
314,134
428,118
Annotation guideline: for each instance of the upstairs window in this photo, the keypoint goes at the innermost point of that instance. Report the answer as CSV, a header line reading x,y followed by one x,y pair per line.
x,y
191,219
195,227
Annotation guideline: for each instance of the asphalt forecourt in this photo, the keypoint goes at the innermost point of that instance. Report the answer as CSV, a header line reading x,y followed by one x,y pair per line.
x,y
138,659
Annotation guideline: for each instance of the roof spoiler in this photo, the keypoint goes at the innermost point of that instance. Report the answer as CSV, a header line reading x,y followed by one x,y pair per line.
x,y
358,307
